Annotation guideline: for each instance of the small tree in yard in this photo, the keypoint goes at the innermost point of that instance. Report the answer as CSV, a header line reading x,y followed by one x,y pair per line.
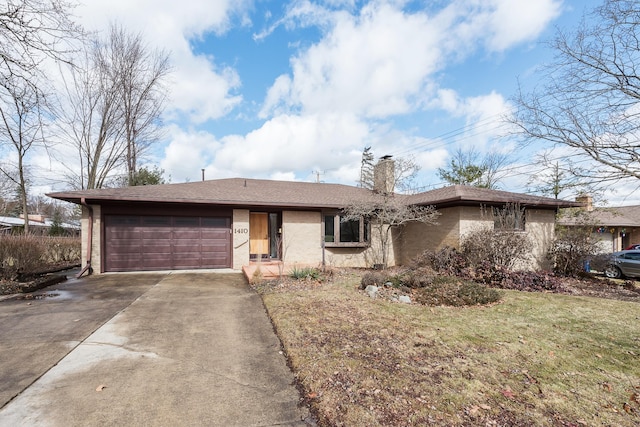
x,y
386,212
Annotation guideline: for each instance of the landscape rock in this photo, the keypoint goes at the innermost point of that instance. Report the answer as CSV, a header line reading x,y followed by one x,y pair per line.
x,y
371,290
405,299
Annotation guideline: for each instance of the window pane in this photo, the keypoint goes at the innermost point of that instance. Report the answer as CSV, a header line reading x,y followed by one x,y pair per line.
x,y
329,228
350,231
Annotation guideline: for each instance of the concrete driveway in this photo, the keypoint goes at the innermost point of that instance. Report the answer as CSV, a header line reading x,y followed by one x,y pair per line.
x,y
174,349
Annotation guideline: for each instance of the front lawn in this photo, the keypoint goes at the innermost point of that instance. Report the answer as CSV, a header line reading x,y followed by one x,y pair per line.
x,y
532,359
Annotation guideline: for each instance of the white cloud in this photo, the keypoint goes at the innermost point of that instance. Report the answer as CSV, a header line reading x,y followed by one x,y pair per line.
x,y
381,61
514,22
484,117
200,90
188,153
370,64
279,148
496,24
294,143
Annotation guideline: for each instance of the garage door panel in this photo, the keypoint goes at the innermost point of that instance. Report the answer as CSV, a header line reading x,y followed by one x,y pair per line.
x,y
124,234
214,246
186,234
165,242
125,262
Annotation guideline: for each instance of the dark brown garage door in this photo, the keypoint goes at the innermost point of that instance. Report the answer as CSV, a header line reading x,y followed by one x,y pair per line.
x,y
136,243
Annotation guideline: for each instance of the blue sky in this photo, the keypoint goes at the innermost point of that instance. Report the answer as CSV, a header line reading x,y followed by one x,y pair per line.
x,y
295,90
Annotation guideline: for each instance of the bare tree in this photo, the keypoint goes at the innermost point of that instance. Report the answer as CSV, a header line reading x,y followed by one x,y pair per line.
x,y
21,127
139,75
590,100
113,107
91,122
30,32
387,211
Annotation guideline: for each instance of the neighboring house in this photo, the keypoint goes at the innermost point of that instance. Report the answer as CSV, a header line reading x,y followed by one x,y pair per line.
x,y
230,223
615,228
38,224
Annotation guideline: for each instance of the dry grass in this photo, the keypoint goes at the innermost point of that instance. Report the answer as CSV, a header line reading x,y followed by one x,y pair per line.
x,y
533,359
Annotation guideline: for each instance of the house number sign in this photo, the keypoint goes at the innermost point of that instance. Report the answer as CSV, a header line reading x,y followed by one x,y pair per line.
x,y
240,230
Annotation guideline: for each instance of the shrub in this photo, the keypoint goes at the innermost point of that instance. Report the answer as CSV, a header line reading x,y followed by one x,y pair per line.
x,y
447,261
531,281
20,255
452,291
24,255
62,250
418,278
501,248
305,273
573,245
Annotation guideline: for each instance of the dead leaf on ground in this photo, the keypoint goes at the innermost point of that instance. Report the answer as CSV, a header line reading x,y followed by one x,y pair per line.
x,y
101,387
485,407
312,395
628,408
607,386
508,393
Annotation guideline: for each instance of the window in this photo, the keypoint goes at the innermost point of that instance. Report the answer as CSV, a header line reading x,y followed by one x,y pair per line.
x,y
338,232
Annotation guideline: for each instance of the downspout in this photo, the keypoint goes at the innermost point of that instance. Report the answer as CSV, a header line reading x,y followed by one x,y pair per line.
x,y
87,267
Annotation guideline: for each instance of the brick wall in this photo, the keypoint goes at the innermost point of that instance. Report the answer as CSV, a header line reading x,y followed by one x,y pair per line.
x,y
455,222
415,238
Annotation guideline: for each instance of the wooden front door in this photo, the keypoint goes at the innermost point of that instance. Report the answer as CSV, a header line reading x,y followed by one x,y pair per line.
x,y
259,234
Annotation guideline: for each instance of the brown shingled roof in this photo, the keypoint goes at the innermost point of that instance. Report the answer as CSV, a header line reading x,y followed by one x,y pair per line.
x,y
456,194
257,192
231,192
623,216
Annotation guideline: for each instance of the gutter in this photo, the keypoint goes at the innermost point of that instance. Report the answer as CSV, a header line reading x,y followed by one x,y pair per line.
x,y
87,267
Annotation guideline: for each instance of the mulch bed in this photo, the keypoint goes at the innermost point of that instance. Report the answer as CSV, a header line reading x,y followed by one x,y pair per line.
x,y
593,285
598,286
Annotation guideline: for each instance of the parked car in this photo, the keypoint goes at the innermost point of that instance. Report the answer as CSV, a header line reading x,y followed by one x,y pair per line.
x,y
624,263
634,246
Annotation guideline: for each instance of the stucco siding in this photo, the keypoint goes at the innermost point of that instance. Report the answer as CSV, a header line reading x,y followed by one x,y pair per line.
x,y
240,241
540,227
364,257
301,237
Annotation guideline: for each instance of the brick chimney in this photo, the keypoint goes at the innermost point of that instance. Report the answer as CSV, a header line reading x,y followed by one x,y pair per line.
x,y
384,175
587,202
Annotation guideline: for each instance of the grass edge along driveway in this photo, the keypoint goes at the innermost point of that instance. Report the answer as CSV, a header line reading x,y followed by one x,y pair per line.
x,y
532,359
